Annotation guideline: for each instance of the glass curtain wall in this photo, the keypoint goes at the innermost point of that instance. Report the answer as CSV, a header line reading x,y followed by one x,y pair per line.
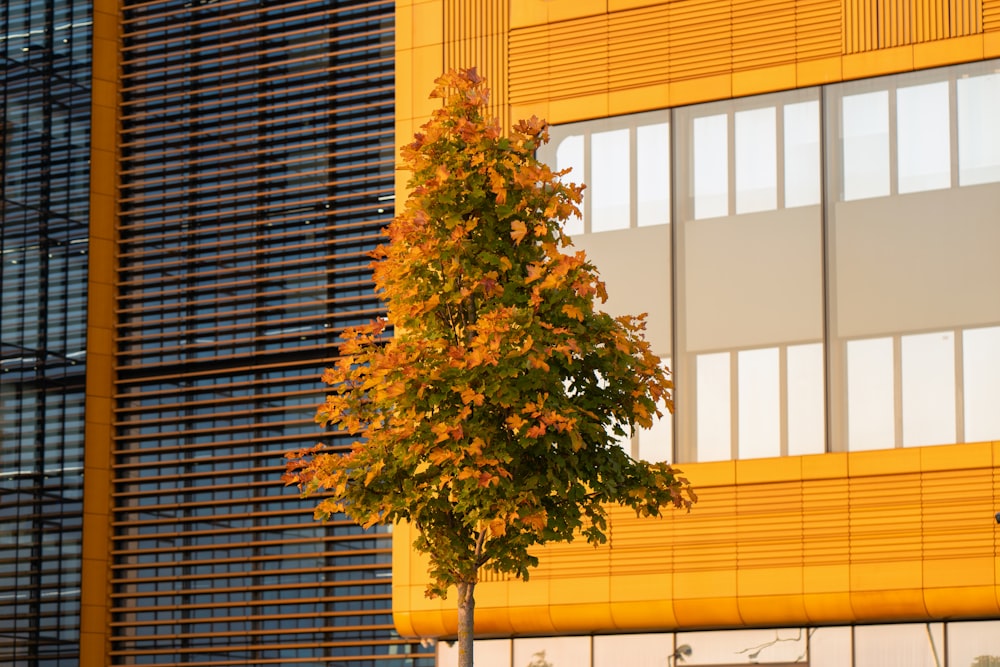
x,y
953,644
44,152
819,264
257,172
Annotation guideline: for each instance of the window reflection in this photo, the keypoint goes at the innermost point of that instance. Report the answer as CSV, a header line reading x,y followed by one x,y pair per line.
x,y
713,411
978,130
652,650
981,373
756,160
569,155
551,652
733,647
923,137
899,645
802,182
711,166
928,390
759,396
870,394
609,180
974,644
866,145
652,174
655,444
806,407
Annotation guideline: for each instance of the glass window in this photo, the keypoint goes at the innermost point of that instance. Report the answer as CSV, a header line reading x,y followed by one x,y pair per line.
x,y
651,650
734,647
830,647
551,652
488,653
713,412
801,154
653,174
756,160
655,444
978,130
609,180
928,388
974,644
923,137
759,395
981,375
899,645
569,155
870,394
865,127
711,166
806,408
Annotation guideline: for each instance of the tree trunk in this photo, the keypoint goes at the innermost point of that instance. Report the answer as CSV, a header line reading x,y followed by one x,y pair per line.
x,y
466,628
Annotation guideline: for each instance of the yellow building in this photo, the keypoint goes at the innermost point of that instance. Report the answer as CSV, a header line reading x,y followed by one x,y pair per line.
x,y
805,197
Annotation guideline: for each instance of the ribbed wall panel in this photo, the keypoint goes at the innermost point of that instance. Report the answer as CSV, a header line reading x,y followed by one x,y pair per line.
x,y
476,33
763,33
667,42
257,172
818,28
638,47
880,24
701,35
991,15
576,63
869,519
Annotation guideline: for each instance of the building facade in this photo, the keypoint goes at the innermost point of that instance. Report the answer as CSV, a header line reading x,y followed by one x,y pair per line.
x,y
803,196
190,190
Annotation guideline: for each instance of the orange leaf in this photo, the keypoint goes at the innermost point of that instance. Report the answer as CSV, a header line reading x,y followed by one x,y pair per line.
x,y
572,311
518,230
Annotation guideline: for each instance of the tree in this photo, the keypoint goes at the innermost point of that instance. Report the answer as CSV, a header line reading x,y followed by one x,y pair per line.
x,y
489,417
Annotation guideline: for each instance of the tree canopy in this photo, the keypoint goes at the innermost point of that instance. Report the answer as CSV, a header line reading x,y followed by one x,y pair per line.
x,y
486,407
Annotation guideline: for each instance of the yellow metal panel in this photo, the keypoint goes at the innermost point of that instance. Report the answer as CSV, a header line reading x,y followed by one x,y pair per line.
x,y
765,610
949,51
638,47
894,540
642,601
991,15
817,72
639,98
884,461
578,108
817,29
527,13
889,604
700,39
961,602
763,33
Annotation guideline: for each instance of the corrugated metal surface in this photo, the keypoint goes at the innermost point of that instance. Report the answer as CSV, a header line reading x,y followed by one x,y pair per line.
x,y
880,24
671,41
817,28
475,34
991,15
863,519
862,537
639,47
563,60
700,36
763,33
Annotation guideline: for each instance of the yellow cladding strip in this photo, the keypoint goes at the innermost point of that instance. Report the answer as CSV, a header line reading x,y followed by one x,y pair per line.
x,y
861,537
95,587
580,60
